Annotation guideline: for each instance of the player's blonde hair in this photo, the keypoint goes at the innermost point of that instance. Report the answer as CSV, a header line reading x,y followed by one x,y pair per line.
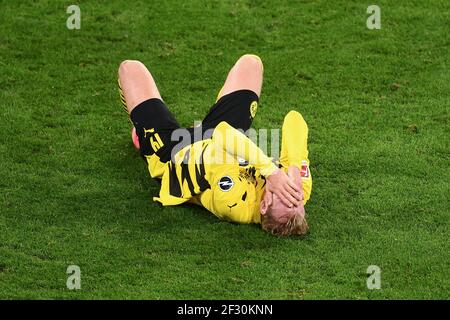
x,y
296,225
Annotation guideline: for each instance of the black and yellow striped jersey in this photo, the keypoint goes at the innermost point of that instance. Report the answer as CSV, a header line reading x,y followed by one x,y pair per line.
x,y
226,173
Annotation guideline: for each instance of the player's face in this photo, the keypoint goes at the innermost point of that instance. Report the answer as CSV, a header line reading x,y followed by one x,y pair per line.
x,y
279,211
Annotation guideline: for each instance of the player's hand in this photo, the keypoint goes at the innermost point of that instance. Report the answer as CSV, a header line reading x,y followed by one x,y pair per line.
x,y
285,188
295,175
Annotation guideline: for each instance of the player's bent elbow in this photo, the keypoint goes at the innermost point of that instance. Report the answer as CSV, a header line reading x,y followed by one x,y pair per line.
x,y
223,125
295,115
220,132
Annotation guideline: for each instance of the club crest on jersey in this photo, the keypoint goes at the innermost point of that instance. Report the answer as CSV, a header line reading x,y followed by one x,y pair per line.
x,y
226,183
304,173
242,162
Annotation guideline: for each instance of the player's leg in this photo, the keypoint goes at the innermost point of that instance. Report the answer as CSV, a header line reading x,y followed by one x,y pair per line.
x,y
238,99
136,84
152,120
246,74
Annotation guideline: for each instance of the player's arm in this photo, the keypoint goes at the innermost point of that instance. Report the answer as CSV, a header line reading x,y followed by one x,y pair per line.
x,y
294,148
235,143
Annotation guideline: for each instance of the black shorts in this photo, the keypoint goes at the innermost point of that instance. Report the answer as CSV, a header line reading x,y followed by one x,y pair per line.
x,y
155,124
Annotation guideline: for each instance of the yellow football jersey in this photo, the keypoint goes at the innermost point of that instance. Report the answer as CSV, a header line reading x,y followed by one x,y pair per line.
x,y
226,173
235,194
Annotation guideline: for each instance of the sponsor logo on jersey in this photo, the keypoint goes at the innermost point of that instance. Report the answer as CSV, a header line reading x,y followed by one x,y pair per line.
x,y
226,183
304,173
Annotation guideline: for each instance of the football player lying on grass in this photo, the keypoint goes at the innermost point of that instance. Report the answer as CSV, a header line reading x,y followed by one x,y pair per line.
x,y
215,165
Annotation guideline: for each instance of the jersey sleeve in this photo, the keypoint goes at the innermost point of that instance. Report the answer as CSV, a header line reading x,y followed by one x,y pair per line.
x,y
294,148
235,143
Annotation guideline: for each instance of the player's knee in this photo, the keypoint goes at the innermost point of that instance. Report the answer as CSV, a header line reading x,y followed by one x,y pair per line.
x,y
251,61
129,66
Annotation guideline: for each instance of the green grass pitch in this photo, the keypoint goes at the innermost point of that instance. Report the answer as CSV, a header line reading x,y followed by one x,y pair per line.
x,y
73,191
